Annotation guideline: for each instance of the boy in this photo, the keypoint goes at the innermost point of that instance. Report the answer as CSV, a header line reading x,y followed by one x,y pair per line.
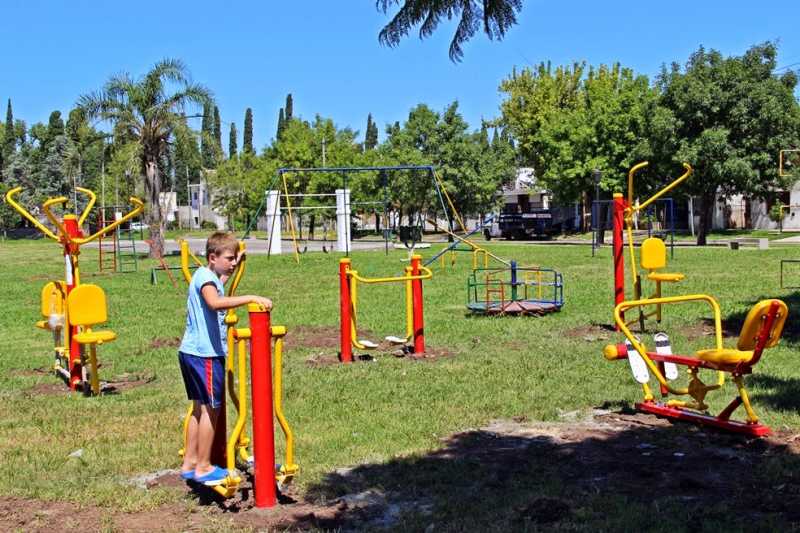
x,y
202,354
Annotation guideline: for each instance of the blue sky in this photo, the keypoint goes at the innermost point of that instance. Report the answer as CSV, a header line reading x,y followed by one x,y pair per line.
x,y
326,53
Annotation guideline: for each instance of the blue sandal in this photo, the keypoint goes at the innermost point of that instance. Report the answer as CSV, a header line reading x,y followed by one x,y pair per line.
x,y
188,475
213,478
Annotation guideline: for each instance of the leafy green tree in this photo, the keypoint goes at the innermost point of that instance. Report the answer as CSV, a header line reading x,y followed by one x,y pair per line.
x,y
289,108
187,159
494,16
247,141
568,121
728,117
233,150
149,113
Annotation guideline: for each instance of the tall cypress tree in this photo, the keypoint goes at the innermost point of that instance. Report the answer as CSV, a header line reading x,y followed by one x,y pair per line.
x,y
371,136
207,139
281,125
10,140
289,107
217,130
233,150
247,142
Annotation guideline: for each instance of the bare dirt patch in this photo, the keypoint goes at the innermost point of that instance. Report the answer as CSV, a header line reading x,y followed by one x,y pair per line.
x,y
313,337
705,328
509,475
158,343
116,385
591,332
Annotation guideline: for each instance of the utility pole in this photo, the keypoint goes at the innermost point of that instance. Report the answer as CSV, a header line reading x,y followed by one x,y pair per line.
x,y
323,150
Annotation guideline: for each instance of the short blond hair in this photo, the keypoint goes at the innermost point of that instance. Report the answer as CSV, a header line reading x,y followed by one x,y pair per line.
x,y
221,241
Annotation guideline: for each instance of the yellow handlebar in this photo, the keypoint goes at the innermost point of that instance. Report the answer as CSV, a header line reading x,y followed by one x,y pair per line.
x,y
640,347
92,200
138,208
687,172
24,212
237,276
427,274
57,223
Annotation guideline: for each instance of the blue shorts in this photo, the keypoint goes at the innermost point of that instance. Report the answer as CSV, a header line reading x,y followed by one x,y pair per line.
x,y
204,378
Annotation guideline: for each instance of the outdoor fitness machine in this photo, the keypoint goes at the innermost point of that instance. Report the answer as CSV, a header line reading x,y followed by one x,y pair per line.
x,y
653,253
266,385
69,313
348,304
761,330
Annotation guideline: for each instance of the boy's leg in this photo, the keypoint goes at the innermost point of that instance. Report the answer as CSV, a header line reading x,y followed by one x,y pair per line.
x,y
190,446
206,425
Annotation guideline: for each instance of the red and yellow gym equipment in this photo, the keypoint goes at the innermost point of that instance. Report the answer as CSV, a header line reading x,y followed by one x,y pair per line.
x,y
348,306
653,252
69,358
762,329
266,381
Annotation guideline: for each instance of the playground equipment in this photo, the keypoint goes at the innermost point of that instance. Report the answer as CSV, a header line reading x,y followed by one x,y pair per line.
x,y
515,291
266,382
653,254
463,244
348,306
761,330
69,335
281,193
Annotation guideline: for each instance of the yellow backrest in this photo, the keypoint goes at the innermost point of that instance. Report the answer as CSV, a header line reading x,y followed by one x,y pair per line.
x,y
748,338
653,254
53,296
87,305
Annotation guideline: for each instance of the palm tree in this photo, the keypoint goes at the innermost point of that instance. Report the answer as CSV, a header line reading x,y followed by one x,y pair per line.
x,y
496,17
148,114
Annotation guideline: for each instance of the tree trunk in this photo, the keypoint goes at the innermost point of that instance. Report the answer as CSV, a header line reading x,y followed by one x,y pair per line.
x,y
706,216
311,223
154,216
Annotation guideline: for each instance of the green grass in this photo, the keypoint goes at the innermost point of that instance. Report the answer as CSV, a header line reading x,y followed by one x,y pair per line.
x,y
344,415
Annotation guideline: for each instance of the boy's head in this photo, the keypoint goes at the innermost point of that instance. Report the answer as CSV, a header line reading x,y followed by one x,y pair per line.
x,y
221,250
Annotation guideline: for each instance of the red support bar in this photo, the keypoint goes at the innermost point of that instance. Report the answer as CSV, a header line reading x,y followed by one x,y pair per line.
x,y
345,306
416,294
618,247
261,394
74,363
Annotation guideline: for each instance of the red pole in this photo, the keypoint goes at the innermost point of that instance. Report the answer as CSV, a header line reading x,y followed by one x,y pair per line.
x,y
70,268
346,346
619,249
416,294
261,393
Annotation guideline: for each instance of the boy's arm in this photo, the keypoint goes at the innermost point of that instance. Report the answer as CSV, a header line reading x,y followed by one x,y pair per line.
x,y
218,303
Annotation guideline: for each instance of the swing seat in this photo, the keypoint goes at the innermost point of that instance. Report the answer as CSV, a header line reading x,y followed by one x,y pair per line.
x,y
395,340
367,344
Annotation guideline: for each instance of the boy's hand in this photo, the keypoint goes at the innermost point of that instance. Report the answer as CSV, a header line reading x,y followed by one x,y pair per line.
x,y
266,302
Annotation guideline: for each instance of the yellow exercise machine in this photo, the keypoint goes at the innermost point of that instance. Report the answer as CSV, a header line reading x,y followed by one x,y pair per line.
x,y
237,445
761,330
61,311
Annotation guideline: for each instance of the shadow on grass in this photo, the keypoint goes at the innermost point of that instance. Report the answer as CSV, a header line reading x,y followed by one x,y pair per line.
x,y
622,473
780,394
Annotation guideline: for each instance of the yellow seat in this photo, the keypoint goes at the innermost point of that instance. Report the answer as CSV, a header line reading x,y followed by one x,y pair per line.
x,y
665,276
86,307
54,295
725,356
95,337
654,257
748,337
